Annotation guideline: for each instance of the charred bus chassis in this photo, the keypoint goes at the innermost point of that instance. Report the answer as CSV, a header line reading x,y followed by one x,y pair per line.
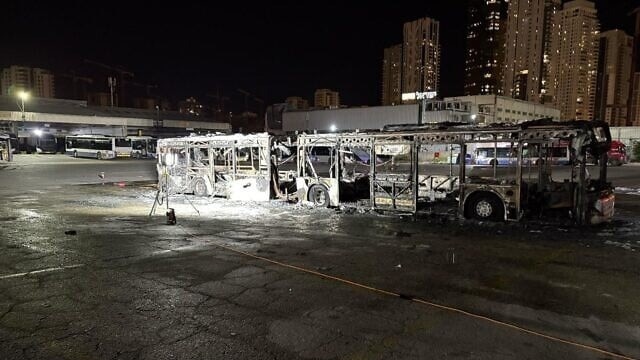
x,y
237,167
409,169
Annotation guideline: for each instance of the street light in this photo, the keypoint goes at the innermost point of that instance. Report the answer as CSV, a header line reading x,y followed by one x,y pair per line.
x,y
23,95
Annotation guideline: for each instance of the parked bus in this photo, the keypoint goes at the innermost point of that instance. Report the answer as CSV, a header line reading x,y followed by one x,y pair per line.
x,y
244,167
91,146
495,154
143,147
46,143
6,153
123,146
556,153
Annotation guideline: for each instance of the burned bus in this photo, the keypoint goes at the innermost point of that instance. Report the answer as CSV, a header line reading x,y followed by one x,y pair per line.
x,y
409,169
238,167
417,168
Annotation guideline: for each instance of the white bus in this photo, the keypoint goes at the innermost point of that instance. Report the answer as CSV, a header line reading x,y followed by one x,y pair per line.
x,y
91,146
143,147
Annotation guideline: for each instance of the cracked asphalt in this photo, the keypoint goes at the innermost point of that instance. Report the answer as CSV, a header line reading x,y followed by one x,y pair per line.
x,y
128,286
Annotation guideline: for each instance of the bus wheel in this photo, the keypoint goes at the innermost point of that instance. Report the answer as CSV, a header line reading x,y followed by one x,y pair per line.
x,y
484,206
199,187
493,163
75,154
99,155
319,195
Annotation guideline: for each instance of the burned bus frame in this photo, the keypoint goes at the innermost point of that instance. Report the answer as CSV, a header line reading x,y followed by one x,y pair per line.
x,y
238,167
401,187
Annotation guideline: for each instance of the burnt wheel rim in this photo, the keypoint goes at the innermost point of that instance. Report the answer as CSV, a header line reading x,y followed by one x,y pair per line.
x,y
319,197
484,209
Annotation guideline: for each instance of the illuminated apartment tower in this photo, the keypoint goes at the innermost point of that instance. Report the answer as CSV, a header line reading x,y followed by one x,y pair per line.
x,y
39,82
325,98
392,75
574,63
528,48
43,83
16,78
297,103
614,67
633,117
484,61
421,56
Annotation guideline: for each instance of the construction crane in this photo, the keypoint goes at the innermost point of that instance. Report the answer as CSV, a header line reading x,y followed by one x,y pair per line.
x,y
246,102
120,71
76,80
247,95
246,99
112,81
220,100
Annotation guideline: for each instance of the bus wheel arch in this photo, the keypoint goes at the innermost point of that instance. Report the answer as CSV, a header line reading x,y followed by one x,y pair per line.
x,y
319,195
484,205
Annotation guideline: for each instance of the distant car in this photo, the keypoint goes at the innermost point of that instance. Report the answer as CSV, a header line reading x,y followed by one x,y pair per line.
x,y
617,153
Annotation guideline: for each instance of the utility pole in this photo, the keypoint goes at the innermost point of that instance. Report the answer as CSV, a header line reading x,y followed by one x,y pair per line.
x,y
112,82
121,75
246,99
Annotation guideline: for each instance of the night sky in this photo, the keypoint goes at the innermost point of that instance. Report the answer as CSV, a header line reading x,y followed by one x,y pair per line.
x,y
272,50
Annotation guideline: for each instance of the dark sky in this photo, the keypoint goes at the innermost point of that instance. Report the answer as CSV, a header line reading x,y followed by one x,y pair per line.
x,y
272,49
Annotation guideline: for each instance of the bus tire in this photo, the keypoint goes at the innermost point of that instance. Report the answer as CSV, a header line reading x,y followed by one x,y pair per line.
x,y
200,187
484,206
99,155
75,154
319,196
493,163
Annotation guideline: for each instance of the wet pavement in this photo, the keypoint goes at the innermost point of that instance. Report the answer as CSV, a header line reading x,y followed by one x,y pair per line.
x,y
85,273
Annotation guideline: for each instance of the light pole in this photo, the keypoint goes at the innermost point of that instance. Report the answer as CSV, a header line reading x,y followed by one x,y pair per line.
x,y
23,95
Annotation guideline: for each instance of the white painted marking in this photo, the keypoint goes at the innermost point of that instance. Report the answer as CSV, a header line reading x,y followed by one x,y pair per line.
x,y
9,276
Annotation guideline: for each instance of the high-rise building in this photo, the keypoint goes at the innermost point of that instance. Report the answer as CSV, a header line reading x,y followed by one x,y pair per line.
x,y
392,75
633,117
22,78
528,48
297,103
190,106
574,60
614,67
43,83
421,56
484,63
16,78
325,98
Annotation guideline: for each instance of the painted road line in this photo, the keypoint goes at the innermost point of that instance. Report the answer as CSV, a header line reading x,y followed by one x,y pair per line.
x,y
33,272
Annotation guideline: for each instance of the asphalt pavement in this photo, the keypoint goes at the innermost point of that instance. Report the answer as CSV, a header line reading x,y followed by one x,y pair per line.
x,y
86,274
